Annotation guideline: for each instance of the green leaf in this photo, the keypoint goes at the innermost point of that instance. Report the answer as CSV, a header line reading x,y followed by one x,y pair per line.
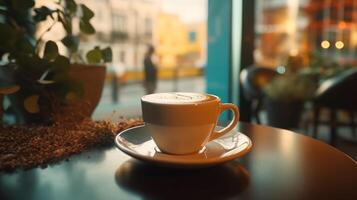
x,y
71,97
8,37
71,42
86,27
87,13
107,54
51,50
94,56
23,45
71,6
22,4
31,104
61,64
42,13
66,86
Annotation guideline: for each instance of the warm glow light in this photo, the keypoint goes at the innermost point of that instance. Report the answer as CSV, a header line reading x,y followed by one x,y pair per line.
x,y
325,44
339,45
342,25
294,52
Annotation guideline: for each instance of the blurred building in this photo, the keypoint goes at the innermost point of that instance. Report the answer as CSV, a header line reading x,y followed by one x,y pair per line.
x,y
127,26
291,27
280,31
333,29
196,52
170,39
179,44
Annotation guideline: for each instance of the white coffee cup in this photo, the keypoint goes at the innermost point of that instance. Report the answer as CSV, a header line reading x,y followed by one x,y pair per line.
x,y
182,123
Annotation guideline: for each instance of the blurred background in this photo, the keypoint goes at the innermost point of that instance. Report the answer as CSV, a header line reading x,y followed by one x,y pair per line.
x,y
283,29
177,30
286,63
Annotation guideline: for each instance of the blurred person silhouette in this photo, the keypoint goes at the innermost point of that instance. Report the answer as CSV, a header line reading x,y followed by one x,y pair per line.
x,y
150,70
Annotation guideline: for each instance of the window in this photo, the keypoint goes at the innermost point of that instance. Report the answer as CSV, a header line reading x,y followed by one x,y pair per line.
x,y
119,23
122,56
148,26
177,31
192,36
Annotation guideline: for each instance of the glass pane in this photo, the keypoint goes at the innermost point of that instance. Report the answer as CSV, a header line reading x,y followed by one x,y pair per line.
x,y
310,45
303,27
177,31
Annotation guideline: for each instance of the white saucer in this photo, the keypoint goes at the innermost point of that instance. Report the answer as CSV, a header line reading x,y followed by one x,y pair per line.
x,y
138,143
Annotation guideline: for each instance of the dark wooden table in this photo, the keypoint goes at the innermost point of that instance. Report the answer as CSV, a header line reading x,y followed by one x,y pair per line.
x,y
281,165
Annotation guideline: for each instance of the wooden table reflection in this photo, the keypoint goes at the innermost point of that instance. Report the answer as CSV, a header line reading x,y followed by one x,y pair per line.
x,y
281,165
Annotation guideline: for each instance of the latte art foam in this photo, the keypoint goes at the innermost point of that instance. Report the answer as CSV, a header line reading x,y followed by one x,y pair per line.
x,y
175,98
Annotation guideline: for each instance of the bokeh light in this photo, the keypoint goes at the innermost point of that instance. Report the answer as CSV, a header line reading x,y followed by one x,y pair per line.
x,y
325,44
339,44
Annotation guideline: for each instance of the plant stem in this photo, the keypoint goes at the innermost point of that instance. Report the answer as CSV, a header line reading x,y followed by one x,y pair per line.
x,y
46,31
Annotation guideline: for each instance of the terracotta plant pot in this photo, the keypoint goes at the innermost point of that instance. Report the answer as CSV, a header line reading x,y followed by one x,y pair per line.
x,y
92,78
1,104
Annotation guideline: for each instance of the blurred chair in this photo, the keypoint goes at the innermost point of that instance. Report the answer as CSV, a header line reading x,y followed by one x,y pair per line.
x,y
253,80
337,93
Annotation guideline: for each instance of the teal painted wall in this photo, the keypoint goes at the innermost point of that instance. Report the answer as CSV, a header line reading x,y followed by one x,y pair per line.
x,y
218,70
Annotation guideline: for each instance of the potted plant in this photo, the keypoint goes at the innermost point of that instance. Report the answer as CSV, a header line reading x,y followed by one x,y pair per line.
x,y
285,96
47,78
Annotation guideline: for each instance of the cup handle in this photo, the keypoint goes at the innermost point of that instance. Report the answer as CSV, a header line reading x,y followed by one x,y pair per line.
x,y
231,125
